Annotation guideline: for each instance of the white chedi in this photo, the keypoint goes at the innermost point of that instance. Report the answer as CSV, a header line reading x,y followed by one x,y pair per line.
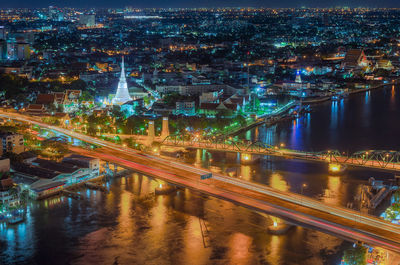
x,y
122,96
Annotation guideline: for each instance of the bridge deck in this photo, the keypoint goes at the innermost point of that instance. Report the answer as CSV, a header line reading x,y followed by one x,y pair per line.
x,y
349,224
294,154
337,220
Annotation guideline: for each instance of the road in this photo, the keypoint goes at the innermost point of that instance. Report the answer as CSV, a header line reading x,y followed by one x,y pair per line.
x,y
341,221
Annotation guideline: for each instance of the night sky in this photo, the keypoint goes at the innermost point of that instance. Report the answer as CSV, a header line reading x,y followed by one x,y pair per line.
x,y
199,3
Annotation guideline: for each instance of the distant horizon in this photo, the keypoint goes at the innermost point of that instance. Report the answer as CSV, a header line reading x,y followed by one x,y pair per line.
x,y
202,4
199,7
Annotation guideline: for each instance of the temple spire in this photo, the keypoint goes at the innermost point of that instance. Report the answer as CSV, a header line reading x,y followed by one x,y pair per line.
x,y
122,68
122,96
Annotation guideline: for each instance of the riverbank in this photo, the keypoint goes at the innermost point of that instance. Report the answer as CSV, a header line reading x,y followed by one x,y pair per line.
x,y
316,101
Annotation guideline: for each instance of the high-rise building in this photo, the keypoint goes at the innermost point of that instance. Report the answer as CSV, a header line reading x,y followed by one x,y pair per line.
x,y
55,14
3,33
87,20
122,96
17,50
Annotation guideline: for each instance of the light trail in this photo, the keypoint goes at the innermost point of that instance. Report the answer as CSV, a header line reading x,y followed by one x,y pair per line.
x,y
241,191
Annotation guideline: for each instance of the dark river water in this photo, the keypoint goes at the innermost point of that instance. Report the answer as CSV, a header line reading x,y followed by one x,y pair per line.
x,y
131,225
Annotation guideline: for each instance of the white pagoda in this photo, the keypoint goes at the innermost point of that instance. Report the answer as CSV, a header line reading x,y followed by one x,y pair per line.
x,y
122,96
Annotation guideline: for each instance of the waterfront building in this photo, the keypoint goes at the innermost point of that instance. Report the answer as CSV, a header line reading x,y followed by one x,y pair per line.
x,y
45,177
122,94
297,85
8,194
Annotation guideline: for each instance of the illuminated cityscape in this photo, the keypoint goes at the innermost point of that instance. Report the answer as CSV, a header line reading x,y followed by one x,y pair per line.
x,y
240,133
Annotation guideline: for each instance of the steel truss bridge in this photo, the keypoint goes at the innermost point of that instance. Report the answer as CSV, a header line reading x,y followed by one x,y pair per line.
x,y
381,159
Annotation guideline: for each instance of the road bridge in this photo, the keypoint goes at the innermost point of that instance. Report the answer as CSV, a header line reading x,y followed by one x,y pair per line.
x,y
376,159
332,219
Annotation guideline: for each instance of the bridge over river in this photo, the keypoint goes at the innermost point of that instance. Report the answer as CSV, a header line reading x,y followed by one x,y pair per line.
x,y
377,159
344,222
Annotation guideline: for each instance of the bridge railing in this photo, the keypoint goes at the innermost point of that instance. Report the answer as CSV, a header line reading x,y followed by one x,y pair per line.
x,y
370,158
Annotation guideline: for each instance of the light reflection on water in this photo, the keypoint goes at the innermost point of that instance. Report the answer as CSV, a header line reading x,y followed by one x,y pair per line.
x,y
131,225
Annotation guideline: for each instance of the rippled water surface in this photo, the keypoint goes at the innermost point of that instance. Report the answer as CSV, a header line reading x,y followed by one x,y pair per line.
x,y
130,225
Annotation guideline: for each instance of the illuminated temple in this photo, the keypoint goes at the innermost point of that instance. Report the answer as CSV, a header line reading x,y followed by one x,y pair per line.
x,y
122,96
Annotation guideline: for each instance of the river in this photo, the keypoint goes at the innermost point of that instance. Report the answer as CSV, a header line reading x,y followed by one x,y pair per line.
x,y
131,225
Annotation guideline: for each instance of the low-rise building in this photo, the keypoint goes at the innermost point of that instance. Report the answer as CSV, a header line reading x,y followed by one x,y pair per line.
x,y
36,109
4,165
187,108
46,177
11,143
8,193
212,109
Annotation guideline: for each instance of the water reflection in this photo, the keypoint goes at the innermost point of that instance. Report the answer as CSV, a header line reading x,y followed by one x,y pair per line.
x,y
332,191
239,249
245,172
277,182
393,97
334,114
130,225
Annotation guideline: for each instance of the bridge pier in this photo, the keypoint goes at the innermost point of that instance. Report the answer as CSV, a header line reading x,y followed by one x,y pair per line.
x,y
279,226
165,128
164,188
111,172
336,168
248,158
150,133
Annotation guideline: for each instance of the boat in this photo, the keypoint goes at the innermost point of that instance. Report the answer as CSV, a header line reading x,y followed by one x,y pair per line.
x,y
15,219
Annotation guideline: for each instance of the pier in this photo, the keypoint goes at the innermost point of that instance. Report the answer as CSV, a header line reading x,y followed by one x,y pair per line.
x,y
73,195
94,186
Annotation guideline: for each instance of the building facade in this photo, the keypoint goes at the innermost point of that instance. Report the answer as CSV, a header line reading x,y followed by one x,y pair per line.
x,y
11,143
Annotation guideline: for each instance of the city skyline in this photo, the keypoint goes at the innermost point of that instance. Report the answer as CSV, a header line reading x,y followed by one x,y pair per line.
x,y
203,3
199,135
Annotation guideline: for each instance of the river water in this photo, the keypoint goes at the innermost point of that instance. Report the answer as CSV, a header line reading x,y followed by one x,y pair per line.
x,y
131,225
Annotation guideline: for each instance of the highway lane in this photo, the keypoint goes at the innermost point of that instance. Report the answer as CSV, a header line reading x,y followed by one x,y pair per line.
x,y
349,229
183,174
291,197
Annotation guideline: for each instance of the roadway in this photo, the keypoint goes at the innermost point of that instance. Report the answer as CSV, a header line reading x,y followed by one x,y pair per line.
x,y
336,220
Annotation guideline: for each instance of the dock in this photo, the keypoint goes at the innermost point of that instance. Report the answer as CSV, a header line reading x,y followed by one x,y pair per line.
x,y
71,194
94,186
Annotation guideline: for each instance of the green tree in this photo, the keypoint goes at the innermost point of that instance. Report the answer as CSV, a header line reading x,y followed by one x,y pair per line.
x,y
78,85
86,96
355,256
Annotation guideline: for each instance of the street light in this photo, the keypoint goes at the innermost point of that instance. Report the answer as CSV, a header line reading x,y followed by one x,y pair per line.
x,y
304,185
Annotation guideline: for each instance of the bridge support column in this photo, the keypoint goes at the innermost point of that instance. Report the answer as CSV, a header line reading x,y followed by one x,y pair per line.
x,y
150,133
278,227
165,128
115,170
248,158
